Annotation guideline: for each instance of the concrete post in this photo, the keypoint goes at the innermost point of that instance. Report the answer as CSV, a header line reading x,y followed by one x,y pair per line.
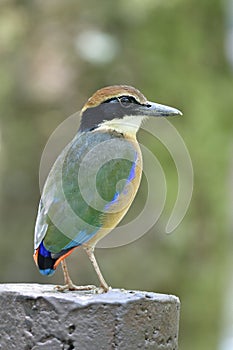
x,y
36,317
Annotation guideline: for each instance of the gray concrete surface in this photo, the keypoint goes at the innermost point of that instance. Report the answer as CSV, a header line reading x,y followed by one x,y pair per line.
x,y
34,317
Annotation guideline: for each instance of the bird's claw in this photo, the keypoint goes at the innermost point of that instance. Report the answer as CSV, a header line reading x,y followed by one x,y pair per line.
x,y
72,287
102,289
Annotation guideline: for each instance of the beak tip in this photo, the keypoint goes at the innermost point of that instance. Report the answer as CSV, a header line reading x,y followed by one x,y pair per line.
x,y
175,112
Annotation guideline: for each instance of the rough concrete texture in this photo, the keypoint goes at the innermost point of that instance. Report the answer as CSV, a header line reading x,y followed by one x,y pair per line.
x,y
37,317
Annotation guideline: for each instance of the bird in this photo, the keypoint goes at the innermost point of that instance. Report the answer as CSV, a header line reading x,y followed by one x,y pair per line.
x,y
94,180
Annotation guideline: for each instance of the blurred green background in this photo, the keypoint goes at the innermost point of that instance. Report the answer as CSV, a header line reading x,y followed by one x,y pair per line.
x,y
54,55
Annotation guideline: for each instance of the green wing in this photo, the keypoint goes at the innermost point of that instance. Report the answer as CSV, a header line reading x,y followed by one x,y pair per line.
x,y
86,179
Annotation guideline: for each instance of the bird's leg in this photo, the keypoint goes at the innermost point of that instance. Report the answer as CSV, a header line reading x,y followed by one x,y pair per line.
x,y
68,282
103,285
67,279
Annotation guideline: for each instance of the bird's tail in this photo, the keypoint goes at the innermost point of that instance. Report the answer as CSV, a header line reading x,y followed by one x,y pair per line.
x,y
46,261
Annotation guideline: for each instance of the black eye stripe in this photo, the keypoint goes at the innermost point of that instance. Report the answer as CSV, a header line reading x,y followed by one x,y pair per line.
x,y
122,99
115,107
111,100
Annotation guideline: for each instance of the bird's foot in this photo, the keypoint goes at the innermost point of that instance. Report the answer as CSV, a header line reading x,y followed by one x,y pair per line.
x,y
72,287
102,289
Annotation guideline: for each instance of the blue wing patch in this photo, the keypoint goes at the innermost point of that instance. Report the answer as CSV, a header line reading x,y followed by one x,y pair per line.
x,y
128,180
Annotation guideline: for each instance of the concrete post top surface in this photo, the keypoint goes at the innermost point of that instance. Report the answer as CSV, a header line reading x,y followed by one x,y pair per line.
x,y
84,298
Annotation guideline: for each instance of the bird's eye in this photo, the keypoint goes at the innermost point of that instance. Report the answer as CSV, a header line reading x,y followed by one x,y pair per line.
x,y
127,100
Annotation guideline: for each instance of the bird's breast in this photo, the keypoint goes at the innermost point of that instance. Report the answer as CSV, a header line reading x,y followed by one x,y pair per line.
x,y
118,181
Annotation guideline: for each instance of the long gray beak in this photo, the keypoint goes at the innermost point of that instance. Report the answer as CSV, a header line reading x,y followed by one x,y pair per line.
x,y
157,110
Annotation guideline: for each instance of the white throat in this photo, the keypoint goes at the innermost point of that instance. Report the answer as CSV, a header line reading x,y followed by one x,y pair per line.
x,y
126,125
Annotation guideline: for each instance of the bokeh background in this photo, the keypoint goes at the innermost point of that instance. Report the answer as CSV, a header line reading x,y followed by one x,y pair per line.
x,y
54,55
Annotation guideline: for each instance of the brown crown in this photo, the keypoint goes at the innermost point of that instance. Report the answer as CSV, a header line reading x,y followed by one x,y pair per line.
x,y
109,92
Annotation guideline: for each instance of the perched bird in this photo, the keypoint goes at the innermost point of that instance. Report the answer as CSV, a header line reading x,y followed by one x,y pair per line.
x,y
94,180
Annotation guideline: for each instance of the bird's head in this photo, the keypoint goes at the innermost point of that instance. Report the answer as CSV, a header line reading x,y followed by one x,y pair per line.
x,y
121,108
